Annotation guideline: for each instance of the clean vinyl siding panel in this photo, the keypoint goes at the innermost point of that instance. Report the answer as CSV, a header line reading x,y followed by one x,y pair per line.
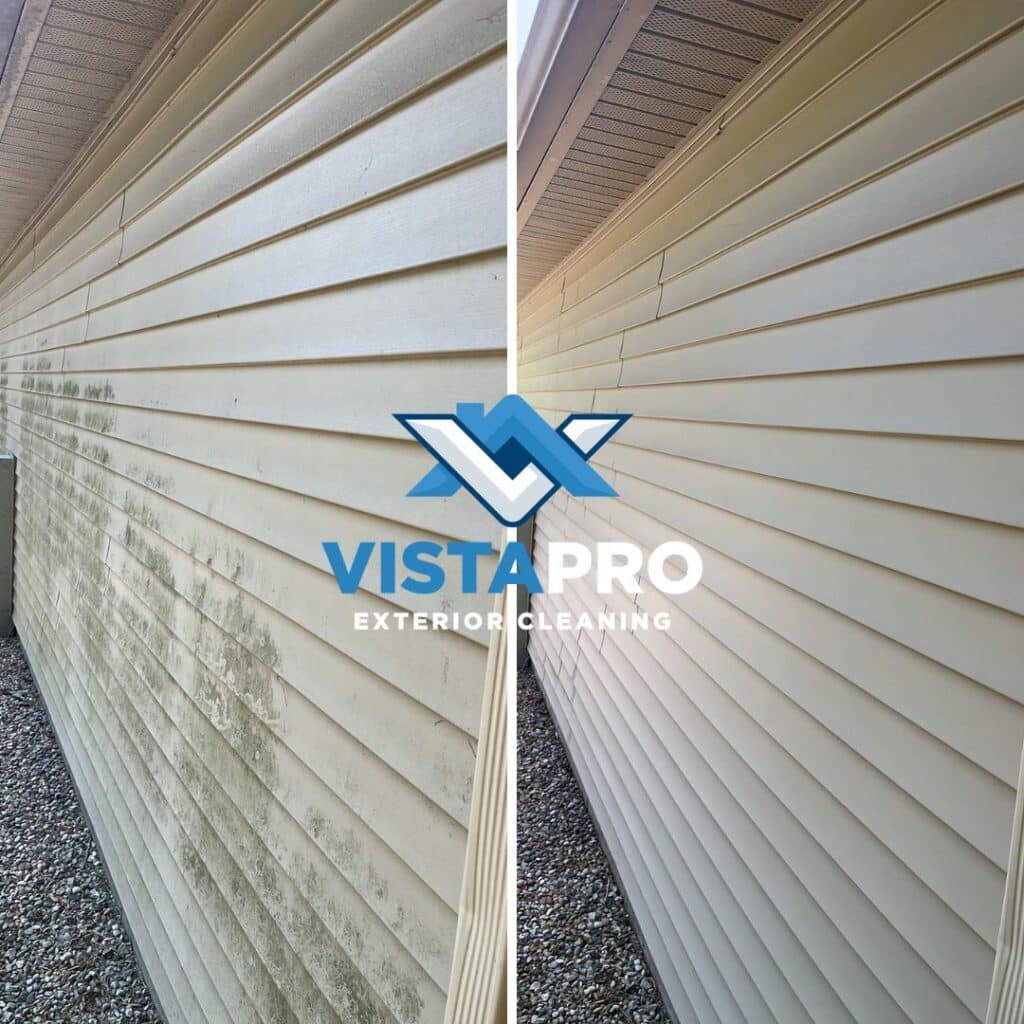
x,y
295,229
807,784
1006,1000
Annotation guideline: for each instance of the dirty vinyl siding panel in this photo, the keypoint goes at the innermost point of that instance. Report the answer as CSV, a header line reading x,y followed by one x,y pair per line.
x,y
293,230
807,783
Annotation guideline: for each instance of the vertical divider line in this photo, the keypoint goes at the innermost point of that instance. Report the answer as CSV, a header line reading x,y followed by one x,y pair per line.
x,y
512,387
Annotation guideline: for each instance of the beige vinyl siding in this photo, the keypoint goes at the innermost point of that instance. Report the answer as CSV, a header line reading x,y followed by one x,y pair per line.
x,y
292,229
479,972
807,783
64,63
1006,999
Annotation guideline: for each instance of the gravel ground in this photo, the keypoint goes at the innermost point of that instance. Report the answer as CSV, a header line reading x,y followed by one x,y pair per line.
x,y
64,955
578,956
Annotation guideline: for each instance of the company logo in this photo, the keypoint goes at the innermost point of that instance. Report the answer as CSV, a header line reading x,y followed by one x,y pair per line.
x,y
512,462
510,459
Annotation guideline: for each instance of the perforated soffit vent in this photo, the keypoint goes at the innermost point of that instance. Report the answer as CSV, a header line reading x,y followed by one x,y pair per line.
x,y
66,63
654,72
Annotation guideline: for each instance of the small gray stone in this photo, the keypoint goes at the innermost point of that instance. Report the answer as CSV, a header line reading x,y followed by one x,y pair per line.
x,y
63,951
578,957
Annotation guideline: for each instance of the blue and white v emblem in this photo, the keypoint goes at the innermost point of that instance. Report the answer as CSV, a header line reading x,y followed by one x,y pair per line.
x,y
509,459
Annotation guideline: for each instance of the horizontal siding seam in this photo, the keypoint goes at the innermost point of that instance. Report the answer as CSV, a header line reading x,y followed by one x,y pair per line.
x,y
463,163
810,837
370,516
69,696
579,762
286,683
199,760
363,46
178,30
653,184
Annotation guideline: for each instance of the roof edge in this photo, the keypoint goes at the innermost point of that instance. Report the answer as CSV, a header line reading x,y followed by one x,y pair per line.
x,y
817,27
547,33
570,45
30,24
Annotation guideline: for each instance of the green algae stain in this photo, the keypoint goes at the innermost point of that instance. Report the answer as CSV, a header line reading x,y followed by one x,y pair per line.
x,y
219,727
98,392
100,422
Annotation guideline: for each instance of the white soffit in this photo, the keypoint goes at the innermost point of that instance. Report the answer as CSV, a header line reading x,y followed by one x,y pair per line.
x,y
67,62
660,71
